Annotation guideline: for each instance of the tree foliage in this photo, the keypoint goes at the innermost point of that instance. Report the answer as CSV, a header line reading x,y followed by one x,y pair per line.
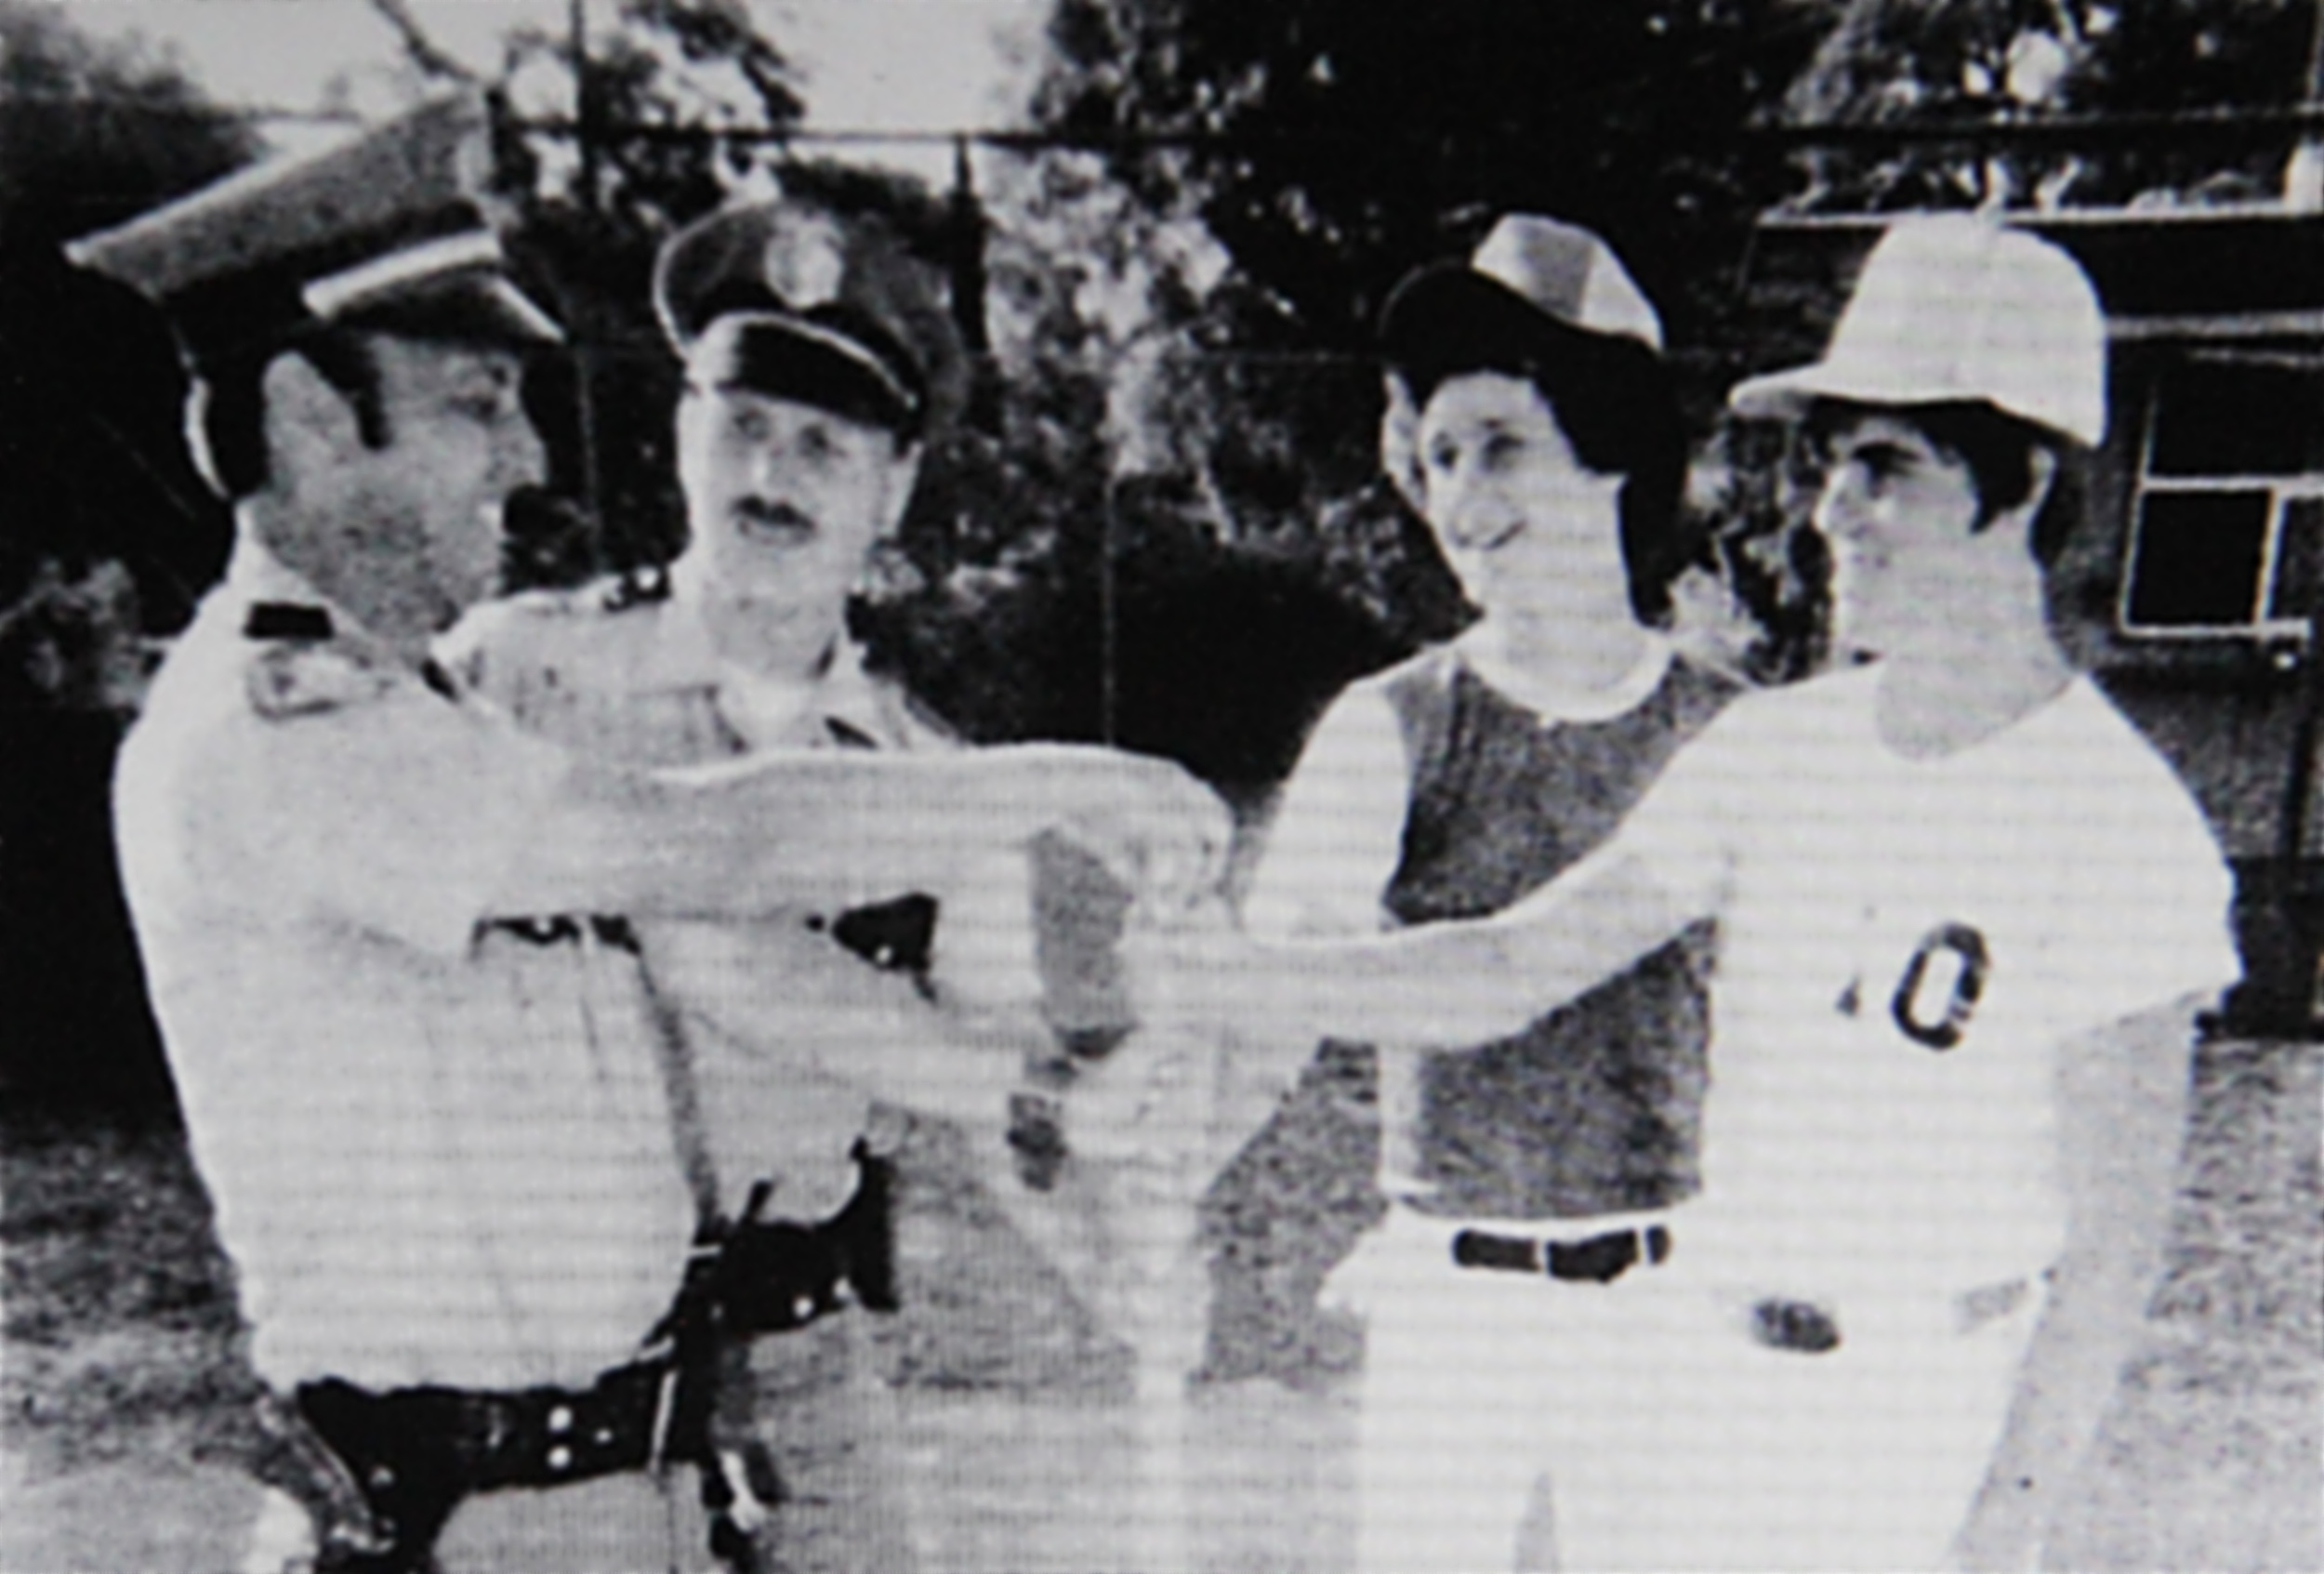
x,y
103,525
1331,146
1934,63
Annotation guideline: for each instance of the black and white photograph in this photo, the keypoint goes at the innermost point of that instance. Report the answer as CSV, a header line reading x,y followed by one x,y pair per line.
x,y
1161,786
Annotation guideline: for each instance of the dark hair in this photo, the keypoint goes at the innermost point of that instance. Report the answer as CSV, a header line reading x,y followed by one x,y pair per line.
x,y
1997,449
233,417
1615,401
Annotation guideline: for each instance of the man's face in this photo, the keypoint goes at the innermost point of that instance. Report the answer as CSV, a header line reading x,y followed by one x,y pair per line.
x,y
1902,515
784,501
1527,527
457,443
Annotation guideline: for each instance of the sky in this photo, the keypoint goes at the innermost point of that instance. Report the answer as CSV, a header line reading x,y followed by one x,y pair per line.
x,y
883,65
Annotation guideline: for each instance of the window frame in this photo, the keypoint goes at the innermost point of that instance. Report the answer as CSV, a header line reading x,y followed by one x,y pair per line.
x,y
2281,490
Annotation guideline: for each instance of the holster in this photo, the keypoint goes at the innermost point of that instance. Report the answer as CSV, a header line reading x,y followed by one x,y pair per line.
x,y
381,1474
773,1277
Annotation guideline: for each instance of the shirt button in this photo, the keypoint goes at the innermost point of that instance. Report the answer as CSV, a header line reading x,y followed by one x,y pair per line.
x,y
560,1458
561,1421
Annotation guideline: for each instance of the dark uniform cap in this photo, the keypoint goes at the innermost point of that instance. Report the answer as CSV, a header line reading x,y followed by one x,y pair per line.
x,y
389,231
797,303
1534,280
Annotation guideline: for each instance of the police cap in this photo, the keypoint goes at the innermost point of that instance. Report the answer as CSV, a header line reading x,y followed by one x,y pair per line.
x,y
389,231
795,301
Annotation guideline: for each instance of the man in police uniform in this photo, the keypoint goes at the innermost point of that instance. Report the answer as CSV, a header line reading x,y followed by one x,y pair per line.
x,y
819,366
419,1065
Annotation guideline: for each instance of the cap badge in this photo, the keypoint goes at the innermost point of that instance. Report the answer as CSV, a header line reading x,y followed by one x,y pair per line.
x,y
804,261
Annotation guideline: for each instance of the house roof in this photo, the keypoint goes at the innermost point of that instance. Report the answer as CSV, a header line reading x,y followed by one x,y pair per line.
x,y
2250,270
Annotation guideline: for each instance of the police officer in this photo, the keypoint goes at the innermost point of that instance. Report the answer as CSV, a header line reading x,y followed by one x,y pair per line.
x,y
819,365
413,1046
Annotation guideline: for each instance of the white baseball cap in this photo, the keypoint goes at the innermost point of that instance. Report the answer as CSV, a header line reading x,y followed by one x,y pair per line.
x,y
1957,308
1532,274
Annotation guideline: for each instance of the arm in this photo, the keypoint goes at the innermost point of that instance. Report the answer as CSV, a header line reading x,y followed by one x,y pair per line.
x,y
1444,984
838,828
2122,1108
1336,834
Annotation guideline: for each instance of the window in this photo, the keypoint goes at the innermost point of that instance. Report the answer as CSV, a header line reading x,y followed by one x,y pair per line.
x,y
2228,521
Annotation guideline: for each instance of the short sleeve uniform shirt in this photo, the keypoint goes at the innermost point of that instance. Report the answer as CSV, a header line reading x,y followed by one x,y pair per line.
x,y
435,1134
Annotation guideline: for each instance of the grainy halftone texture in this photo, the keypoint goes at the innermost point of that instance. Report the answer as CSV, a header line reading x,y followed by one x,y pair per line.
x,y
120,1358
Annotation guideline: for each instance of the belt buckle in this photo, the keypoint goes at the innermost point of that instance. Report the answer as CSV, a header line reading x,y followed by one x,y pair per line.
x,y
1801,1328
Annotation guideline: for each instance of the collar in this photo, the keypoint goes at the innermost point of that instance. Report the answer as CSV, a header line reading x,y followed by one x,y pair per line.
x,y
257,579
1476,649
838,705
281,608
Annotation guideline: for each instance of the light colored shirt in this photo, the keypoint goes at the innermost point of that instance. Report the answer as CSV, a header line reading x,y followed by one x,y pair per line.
x,y
439,1148
639,680
1904,947
774,1010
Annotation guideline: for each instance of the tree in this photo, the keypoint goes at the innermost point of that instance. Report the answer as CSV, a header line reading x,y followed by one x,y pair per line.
x,y
1982,63
90,462
106,533
1329,147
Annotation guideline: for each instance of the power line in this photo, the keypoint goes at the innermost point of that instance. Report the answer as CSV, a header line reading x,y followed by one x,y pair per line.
x,y
2228,124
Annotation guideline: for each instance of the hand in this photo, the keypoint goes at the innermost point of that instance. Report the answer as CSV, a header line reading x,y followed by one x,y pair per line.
x,y
1157,830
984,959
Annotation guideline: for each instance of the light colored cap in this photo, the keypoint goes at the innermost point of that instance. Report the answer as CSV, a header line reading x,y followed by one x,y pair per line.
x,y
1953,308
1570,273
395,222
1559,270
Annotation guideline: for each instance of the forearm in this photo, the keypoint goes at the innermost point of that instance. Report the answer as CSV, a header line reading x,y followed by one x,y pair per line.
x,y
2122,1113
825,828
1464,983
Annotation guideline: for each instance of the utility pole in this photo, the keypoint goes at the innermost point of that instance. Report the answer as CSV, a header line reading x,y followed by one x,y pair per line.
x,y
585,363
583,102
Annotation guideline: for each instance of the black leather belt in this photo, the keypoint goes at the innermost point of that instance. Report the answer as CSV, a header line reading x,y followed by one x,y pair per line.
x,y
416,1452
1600,1258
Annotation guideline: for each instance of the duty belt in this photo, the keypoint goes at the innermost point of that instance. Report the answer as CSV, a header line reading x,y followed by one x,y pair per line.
x,y
416,1452
1601,1259
391,1467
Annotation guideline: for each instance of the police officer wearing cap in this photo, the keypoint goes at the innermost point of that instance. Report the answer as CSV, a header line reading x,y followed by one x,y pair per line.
x,y
412,1039
819,364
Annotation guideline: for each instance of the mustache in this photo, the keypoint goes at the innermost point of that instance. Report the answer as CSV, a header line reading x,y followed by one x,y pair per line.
x,y
765,516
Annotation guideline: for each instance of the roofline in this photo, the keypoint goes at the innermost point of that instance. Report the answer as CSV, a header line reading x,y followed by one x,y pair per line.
x,y
2062,219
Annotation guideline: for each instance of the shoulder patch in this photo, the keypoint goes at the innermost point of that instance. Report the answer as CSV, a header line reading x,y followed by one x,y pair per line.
x,y
301,680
